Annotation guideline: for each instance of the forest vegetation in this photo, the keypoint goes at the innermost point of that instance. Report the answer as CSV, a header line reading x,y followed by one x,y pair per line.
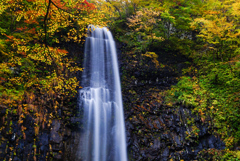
x,y
38,75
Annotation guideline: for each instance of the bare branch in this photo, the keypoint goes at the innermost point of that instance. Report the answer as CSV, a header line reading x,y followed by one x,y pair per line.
x,y
2,106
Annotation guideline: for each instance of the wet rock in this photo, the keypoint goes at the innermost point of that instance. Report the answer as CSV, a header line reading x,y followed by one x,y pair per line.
x,y
157,123
56,147
56,125
67,132
164,135
128,138
177,141
3,111
135,121
203,131
43,149
29,134
27,150
129,125
2,149
44,139
28,121
150,125
57,156
211,140
75,120
178,129
165,154
156,144
55,137
59,112
16,159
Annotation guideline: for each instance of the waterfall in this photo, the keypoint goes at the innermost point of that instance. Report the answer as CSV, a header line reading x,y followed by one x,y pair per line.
x,y
103,136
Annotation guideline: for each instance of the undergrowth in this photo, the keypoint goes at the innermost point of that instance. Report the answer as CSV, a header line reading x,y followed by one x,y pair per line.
x,y
213,91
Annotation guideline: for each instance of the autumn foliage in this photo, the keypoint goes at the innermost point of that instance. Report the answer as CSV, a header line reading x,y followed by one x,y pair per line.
x,y
27,59
38,72
37,75
207,33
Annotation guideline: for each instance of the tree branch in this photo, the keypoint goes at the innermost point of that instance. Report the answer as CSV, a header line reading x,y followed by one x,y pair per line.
x,y
2,106
115,8
45,21
62,9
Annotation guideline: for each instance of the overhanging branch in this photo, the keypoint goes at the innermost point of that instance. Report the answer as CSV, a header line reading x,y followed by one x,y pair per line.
x,y
62,9
45,21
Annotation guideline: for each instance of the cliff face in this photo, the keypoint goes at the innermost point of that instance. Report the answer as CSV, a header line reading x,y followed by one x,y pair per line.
x,y
42,133
155,130
159,132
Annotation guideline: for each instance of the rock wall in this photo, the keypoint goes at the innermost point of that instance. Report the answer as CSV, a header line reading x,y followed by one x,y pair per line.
x,y
158,132
39,132
155,130
57,139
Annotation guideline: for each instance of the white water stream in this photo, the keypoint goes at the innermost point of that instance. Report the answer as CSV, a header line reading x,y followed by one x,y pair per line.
x,y
104,129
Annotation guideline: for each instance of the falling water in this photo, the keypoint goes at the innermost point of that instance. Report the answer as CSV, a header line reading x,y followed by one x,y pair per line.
x,y
101,99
